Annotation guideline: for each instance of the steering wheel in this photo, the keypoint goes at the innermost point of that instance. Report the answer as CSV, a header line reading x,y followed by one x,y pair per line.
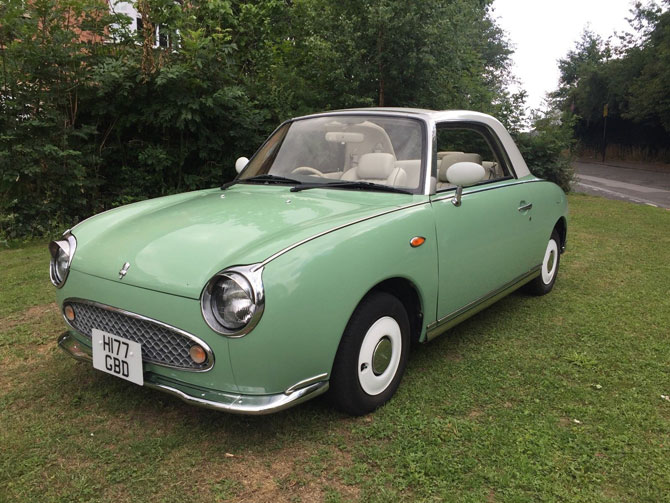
x,y
306,170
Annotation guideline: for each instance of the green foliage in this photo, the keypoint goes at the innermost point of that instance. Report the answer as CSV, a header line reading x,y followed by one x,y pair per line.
x,y
93,114
630,78
547,148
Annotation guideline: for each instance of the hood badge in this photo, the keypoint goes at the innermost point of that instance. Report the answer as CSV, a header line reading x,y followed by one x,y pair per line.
x,y
124,270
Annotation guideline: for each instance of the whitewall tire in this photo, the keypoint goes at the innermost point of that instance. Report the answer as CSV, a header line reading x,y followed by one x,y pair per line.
x,y
544,283
372,355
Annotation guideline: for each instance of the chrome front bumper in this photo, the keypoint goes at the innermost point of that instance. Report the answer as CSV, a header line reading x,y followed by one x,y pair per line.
x,y
229,402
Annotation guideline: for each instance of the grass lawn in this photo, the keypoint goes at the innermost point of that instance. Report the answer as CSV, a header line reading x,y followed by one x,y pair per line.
x,y
555,398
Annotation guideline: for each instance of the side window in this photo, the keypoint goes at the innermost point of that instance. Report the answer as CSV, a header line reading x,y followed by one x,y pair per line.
x,y
467,144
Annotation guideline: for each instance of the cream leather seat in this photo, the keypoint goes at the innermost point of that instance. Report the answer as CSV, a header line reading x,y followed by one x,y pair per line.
x,y
444,153
379,168
447,161
412,168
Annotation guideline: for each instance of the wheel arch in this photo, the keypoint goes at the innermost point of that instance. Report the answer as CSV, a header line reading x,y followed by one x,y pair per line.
x,y
562,228
408,294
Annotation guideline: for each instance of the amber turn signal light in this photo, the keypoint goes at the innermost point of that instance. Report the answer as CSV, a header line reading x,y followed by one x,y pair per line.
x,y
197,354
417,241
69,312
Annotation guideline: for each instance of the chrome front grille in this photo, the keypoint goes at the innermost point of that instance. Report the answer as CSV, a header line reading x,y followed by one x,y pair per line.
x,y
160,344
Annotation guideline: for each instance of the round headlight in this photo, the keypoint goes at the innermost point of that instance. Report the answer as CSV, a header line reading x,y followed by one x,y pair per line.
x,y
60,264
61,257
232,301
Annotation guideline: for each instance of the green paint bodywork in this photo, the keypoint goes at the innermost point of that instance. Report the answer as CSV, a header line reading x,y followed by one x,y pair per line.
x,y
175,244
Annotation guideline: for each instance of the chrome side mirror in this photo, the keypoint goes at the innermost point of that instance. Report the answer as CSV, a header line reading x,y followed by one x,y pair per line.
x,y
464,174
241,163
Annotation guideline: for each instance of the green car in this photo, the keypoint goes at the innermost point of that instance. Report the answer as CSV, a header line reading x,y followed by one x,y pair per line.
x,y
348,236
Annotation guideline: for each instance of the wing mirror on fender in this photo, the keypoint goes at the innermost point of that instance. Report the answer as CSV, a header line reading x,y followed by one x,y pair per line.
x,y
241,163
464,174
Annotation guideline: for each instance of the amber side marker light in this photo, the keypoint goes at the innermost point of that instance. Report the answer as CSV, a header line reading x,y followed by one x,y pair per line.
x,y
197,354
417,241
69,313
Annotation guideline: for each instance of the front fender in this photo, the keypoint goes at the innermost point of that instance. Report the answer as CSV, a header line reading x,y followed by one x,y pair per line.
x,y
312,290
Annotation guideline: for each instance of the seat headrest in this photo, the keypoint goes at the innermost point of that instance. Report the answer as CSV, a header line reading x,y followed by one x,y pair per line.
x,y
450,159
376,166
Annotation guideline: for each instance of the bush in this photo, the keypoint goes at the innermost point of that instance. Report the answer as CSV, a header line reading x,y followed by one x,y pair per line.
x,y
548,149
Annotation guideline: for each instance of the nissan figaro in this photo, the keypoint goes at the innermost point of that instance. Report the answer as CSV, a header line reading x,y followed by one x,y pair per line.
x,y
347,237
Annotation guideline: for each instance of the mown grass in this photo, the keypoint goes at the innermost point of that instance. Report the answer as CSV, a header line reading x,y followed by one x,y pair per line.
x,y
536,399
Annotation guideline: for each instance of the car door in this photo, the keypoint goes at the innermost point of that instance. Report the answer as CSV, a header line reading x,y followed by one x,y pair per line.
x,y
483,242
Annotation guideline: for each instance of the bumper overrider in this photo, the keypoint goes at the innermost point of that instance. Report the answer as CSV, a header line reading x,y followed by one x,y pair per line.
x,y
211,399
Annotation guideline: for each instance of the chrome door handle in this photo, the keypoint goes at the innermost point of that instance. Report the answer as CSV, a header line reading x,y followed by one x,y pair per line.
x,y
526,207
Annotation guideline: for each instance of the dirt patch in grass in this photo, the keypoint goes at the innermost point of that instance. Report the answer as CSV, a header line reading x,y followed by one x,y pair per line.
x,y
30,315
475,413
453,356
285,475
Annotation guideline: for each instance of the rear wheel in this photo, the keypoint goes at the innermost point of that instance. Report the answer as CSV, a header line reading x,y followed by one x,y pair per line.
x,y
372,355
543,284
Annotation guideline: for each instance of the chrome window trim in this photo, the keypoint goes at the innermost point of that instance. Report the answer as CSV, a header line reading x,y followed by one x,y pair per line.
x,y
483,188
53,249
254,275
197,340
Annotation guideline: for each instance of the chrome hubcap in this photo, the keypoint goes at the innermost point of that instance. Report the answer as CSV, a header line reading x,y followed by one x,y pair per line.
x,y
382,356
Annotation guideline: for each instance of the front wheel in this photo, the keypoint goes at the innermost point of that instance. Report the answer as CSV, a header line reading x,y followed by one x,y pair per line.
x,y
543,284
372,355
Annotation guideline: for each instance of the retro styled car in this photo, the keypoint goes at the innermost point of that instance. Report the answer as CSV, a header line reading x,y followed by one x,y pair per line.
x,y
346,237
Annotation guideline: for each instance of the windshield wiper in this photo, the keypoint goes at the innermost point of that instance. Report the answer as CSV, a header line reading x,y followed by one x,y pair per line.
x,y
261,179
351,185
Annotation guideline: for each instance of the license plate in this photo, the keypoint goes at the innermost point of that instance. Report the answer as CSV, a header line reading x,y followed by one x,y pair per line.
x,y
117,356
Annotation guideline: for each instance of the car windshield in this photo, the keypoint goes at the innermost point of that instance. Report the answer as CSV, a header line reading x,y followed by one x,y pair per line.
x,y
336,149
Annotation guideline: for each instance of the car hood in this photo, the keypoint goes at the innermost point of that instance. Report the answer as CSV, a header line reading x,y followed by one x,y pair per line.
x,y
175,244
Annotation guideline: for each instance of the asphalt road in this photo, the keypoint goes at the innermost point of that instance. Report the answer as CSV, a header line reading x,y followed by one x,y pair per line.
x,y
627,184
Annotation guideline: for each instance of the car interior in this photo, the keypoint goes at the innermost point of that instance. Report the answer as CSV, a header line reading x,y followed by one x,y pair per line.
x,y
381,151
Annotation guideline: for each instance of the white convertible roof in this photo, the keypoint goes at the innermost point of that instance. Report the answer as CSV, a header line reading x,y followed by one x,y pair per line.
x,y
434,116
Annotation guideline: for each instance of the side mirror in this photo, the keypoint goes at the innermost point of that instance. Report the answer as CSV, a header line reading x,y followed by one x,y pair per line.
x,y
464,174
241,163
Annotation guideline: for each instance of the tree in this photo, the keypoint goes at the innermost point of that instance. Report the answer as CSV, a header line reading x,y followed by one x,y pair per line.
x,y
631,80
93,114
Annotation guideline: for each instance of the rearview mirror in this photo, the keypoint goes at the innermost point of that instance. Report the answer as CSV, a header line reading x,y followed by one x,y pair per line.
x,y
464,174
241,163
344,137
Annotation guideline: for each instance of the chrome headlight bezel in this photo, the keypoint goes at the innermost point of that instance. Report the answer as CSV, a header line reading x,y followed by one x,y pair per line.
x,y
249,278
68,246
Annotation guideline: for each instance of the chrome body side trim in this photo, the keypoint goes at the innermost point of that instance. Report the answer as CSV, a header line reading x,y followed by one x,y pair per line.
x,y
227,402
443,324
354,222
253,274
197,340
